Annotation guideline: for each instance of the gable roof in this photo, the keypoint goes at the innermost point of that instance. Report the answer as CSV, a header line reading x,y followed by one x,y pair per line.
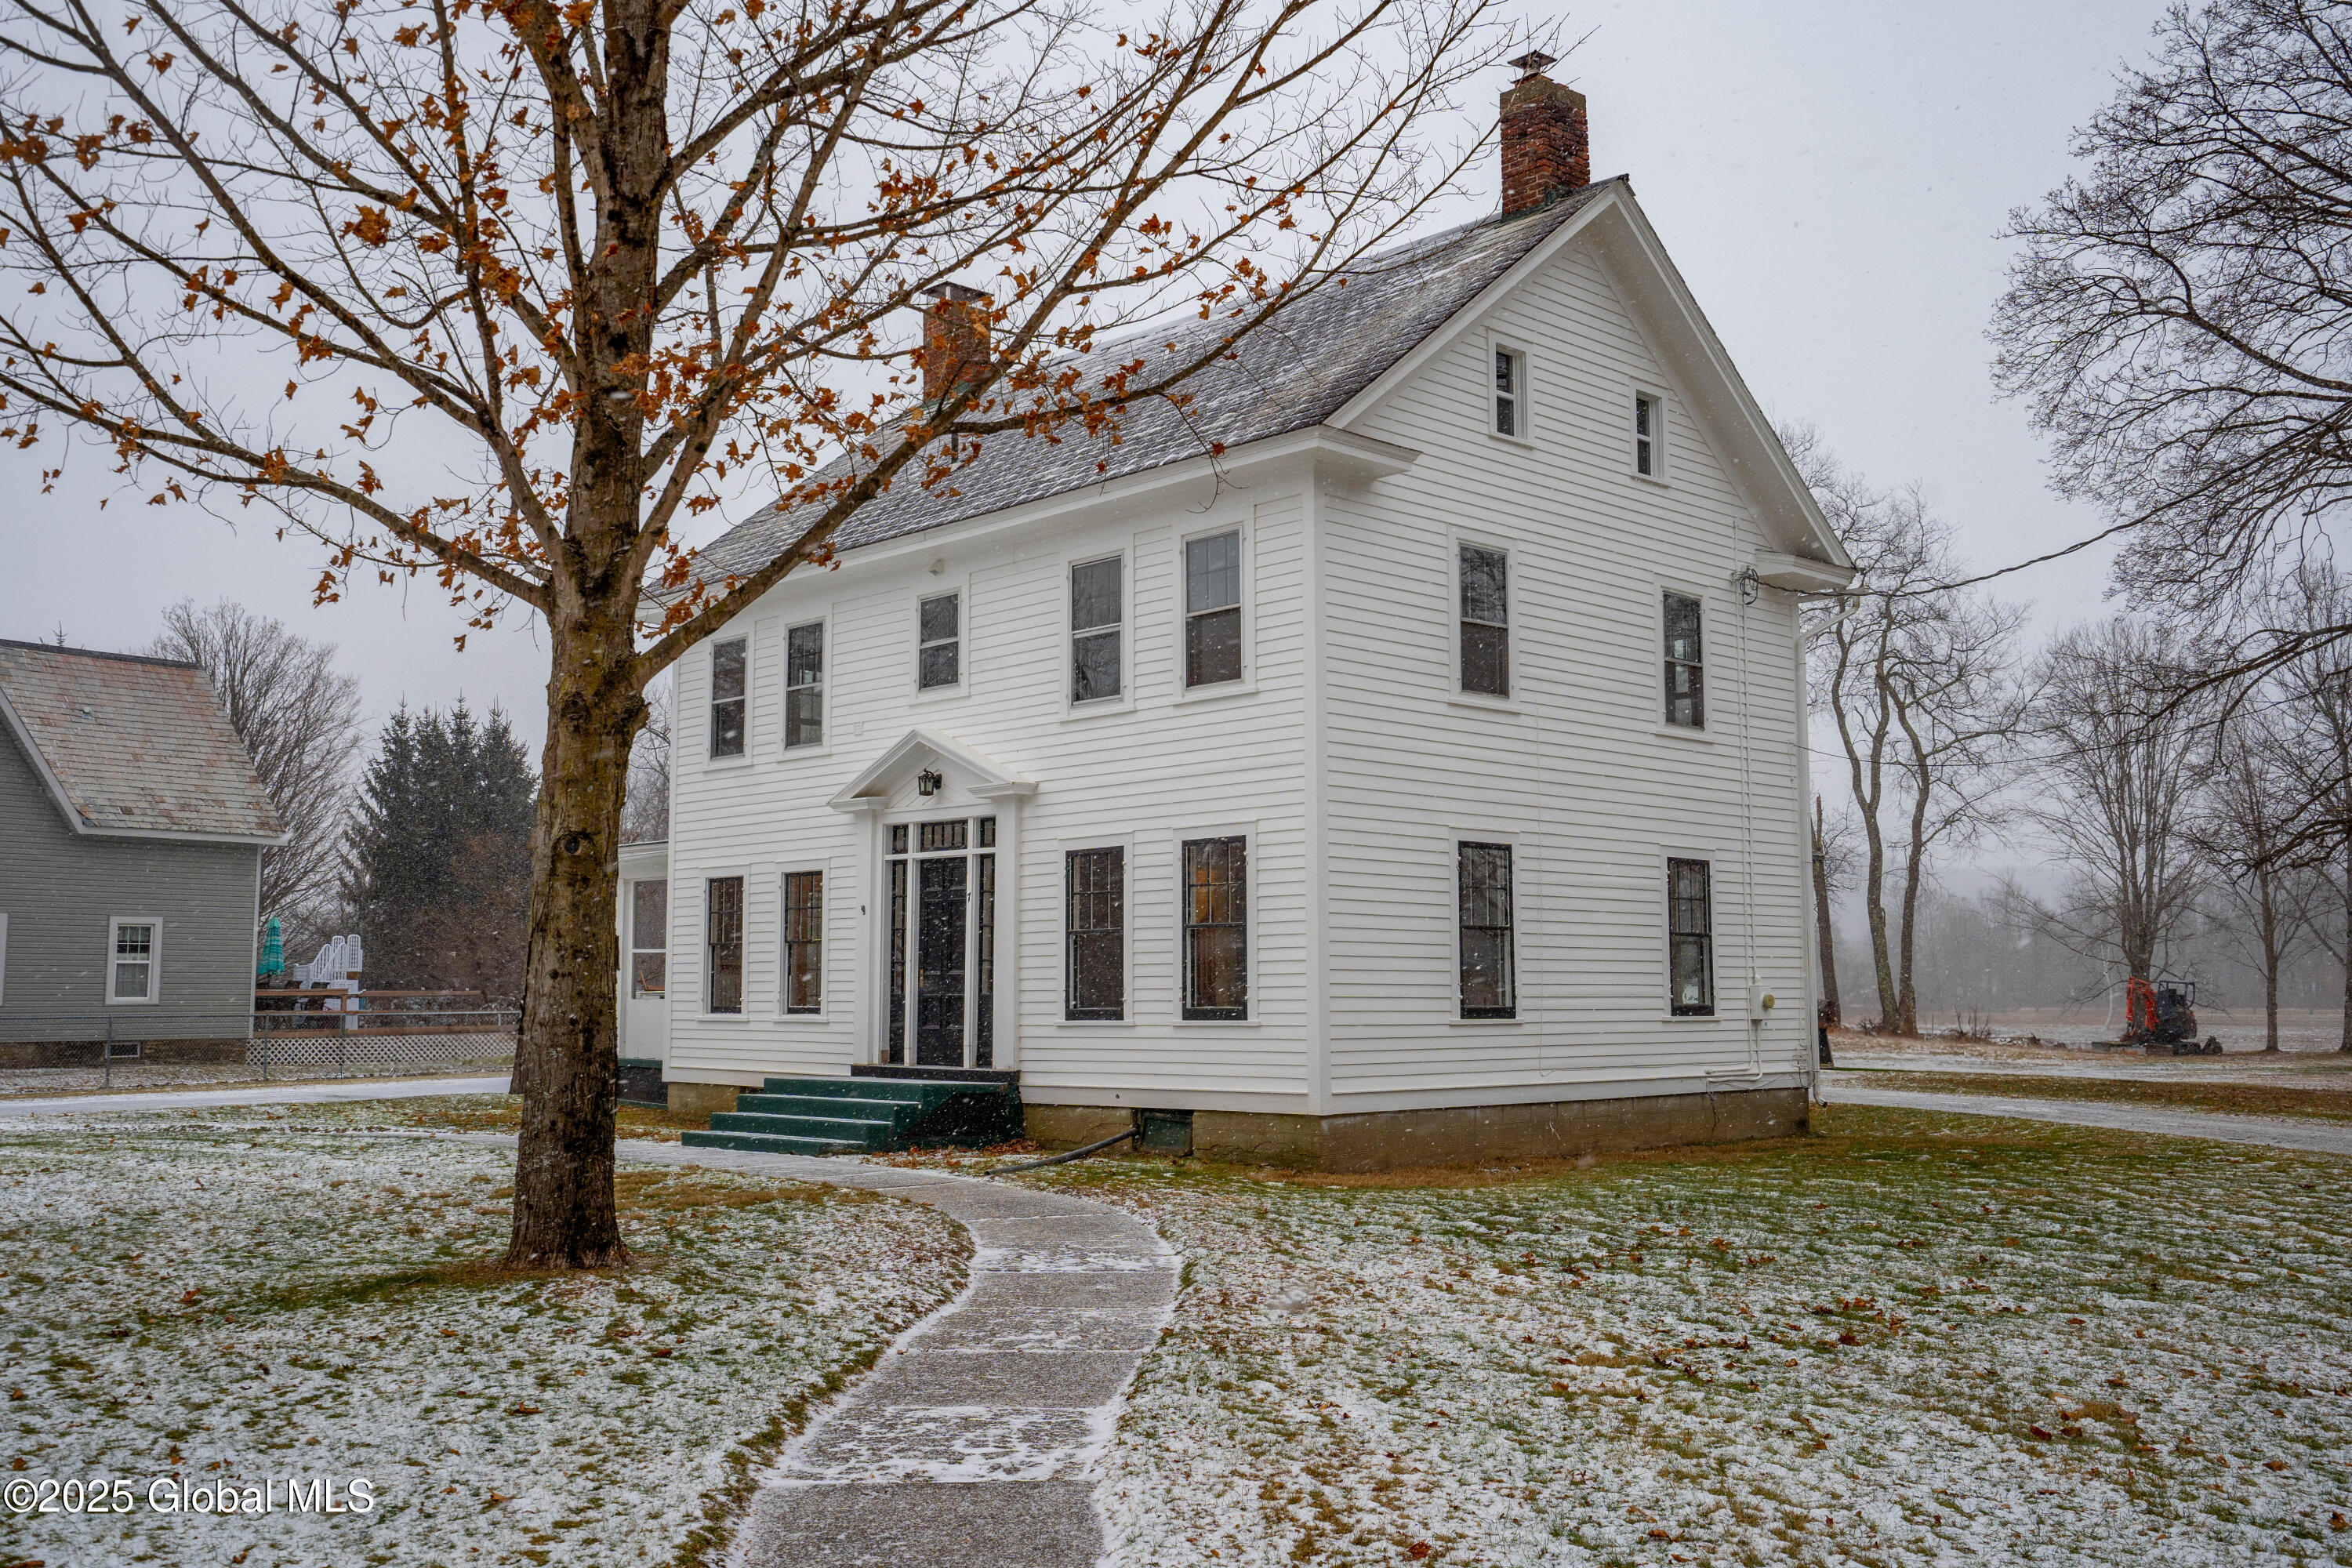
x,y
1298,370
132,746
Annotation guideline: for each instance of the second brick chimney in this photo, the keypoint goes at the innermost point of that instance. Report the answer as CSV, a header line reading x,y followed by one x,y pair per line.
x,y
1545,147
955,340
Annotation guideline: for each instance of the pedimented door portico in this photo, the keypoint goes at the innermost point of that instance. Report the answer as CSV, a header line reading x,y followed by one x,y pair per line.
x,y
939,884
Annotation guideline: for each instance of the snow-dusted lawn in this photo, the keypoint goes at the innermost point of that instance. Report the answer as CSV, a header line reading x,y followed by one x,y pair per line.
x,y
1831,1350
232,1298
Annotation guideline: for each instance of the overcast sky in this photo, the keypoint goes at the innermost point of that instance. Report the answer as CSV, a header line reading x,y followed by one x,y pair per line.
x,y
1829,176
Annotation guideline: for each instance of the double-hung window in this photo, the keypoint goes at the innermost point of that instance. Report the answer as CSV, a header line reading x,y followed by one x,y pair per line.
x,y
1216,929
729,667
1490,978
723,945
1510,393
1095,933
131,967
1649,436
1212,609
1486,621
1690,940
1096,617
1685,665
648,938
939,654
804,942
805,686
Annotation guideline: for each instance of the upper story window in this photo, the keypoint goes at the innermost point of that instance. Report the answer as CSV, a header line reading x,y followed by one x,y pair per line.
x,y
722,929
804,685
1649,436
1216,929
730,664
1096,618
1094,930
1212,608
1686,667
1510,393
1486,621
1483,877
648,938
939,656
1690,939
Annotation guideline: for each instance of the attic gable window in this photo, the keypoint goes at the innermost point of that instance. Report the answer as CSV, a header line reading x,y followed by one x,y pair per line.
x,y
1685,668
1212,608
1510,393
1649,436
938,655
729,662
1486,621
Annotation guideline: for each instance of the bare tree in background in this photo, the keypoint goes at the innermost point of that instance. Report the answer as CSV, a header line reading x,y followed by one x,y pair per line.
x,y
538,279
2243,824
2313,688
2121,755
1834,869
1921,683
299,718
644,816
2179,312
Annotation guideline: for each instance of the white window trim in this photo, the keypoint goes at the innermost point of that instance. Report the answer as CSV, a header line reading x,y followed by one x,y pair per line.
x,y
1709,619
826,977
751,750
1498,343
703,1015
1248,832
1455,838
154,961
4,956
932,588
1247,684
629,885
1061,850
1455,538
1714,858
789,625
1661,427
1125,700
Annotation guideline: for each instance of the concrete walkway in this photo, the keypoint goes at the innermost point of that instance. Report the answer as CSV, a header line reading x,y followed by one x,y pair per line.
x,y
974,1440
256,1094
2306,1137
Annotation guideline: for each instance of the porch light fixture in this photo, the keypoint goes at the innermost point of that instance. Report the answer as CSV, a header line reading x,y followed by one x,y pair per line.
x,y
927,781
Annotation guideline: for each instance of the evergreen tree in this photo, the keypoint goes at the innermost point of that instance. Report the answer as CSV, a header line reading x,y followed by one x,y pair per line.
x,y
439,854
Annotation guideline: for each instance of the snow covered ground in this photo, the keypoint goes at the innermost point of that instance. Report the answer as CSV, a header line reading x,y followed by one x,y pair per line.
x,y
1918,1338
247,1296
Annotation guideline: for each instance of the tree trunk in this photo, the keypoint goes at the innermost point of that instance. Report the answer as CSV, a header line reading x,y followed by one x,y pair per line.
x,y
1874,905
567,1061
1833,1015
2271,959
2346,1045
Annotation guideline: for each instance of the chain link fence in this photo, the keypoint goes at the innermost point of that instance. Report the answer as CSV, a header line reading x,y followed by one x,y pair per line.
x,y
49,1053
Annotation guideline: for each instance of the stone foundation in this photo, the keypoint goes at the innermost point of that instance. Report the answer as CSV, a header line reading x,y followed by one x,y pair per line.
x,y
1456,1135
697,1099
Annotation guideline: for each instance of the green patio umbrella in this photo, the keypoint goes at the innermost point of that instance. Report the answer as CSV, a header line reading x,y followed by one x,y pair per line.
x,y
273,951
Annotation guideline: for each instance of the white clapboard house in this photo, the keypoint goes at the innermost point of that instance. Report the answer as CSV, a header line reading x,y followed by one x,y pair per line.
x,y
1420,779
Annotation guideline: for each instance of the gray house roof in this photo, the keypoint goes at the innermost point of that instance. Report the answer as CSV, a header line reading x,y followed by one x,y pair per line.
x,y
132,746
1298,371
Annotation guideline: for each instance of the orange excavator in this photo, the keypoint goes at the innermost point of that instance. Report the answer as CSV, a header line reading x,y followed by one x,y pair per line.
x,y
2164,1014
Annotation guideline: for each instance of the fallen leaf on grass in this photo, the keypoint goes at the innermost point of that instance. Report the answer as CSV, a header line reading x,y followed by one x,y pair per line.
x,y
1418,1548
524,1410
2274,1464
2041,1432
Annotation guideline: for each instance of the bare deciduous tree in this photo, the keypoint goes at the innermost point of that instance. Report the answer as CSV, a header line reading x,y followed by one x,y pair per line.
x,y
299,718
2242,825
2178,314
645,817
563,273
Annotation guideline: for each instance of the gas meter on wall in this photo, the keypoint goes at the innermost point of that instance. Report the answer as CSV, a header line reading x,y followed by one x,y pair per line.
x,y
1761,1002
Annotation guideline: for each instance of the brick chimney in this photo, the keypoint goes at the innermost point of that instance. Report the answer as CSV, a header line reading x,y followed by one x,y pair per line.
x,y
955,340
1545,148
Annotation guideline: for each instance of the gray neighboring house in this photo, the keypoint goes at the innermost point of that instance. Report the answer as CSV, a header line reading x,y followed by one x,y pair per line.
x,y
132,827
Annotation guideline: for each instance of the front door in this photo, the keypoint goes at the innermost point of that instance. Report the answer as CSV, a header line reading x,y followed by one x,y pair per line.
x,y
940,943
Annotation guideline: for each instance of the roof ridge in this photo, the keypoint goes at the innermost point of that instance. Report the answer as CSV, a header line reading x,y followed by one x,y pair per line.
x,y
101,653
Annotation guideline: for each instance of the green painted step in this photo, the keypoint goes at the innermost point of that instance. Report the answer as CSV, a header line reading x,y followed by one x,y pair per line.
x,y
766,1143
863,1131
894,1112
862,1115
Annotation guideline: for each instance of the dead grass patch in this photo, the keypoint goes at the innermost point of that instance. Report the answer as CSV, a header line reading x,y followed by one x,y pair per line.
x,y
2229,1098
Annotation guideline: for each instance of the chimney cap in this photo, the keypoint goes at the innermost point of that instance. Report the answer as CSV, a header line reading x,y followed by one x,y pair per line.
x,y
1533,63
962,294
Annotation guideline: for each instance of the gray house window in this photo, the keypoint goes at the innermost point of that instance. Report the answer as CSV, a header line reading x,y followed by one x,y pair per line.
x,y
729,662
939,656
1212,609
130,974
804,685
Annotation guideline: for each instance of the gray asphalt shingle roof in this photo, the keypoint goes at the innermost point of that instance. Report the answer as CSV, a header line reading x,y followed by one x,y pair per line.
x,y
138,744
1296,372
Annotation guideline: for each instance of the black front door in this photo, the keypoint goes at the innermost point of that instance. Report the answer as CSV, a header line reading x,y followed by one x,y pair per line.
x,y
940,948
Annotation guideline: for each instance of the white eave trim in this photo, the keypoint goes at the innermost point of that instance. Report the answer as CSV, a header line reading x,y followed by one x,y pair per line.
x,y
81,826
1800,575
870,790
